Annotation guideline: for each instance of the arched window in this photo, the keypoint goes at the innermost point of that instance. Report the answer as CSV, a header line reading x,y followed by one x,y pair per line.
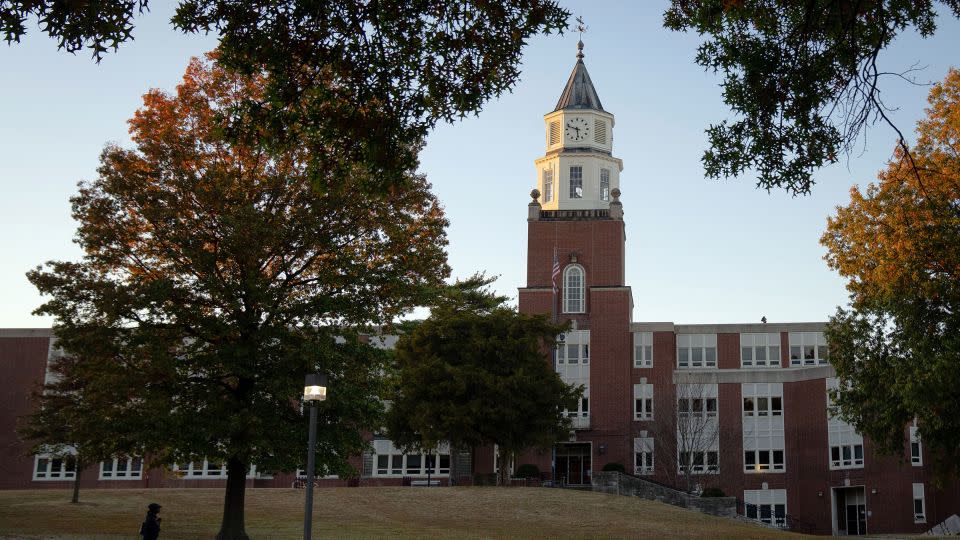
x,y
573,289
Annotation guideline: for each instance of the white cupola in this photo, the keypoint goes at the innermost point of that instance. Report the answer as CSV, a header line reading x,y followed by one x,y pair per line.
x,y
578,171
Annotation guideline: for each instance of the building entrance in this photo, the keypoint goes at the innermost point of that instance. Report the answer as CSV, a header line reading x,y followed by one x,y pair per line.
x,y
850,511
573,463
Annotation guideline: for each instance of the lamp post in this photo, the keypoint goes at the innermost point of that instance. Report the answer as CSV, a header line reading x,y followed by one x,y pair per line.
x,y
314,390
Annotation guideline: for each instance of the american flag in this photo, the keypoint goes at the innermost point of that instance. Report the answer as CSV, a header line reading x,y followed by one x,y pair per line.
x,y
556,271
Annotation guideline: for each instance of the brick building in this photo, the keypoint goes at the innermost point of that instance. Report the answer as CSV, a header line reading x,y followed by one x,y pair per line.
x,y
739,407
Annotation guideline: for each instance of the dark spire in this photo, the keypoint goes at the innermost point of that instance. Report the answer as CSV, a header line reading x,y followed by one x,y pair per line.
x,y
579,92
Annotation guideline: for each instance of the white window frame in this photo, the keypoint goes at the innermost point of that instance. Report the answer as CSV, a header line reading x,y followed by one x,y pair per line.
x,y
921,516
808,349
643,401
696,351
701,461
758,499
547,185
643,349
604,184
764,443
574,193
844,443
133,468
753,346
411,463
643,456
583,406
916,448
574,295
61,473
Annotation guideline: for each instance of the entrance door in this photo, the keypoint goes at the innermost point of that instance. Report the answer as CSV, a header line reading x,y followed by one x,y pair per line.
x,y
851,511
573,463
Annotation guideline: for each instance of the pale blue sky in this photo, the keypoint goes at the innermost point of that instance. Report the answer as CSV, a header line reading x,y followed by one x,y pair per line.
x,y
697,250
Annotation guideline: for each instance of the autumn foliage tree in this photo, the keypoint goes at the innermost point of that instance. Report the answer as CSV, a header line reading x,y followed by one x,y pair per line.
x,y
898,244
218,272
801,78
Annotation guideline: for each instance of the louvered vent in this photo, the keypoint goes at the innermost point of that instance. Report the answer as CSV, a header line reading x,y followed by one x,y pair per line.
x,y
554,133
600,128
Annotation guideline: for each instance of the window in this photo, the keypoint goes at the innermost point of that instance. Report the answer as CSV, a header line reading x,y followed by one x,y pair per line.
x,y
643,401
576,182
201,469
766,505
390,461
604,184
643,349
54,467
762,399
573,289
583,408
643,456
808,349
919,508
573,348
763,433
699,461
547,185
760,350
121,468
846,445
916,451
696,350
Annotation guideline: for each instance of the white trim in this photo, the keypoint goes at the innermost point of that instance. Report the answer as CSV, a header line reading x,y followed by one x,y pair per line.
x,y
574,296
43,466
132,469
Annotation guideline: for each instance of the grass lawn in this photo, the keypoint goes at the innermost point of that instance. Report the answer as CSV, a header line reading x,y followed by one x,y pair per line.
x,y
468,512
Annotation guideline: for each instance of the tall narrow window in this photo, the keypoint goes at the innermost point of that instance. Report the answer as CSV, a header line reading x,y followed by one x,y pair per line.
x,y
547,185
919,508
576,182
573,289
916,452
604,184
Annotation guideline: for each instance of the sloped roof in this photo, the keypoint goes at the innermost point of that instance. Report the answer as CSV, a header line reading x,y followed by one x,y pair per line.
x,y
579,92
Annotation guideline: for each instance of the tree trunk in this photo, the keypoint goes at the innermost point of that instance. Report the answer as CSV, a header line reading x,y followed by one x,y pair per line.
x,y
232,526
78,468
503,474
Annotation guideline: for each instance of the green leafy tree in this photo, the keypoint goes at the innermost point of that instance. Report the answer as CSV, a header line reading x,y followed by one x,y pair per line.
x,y
355,82
216,274
898,345
77,420
801,78
477,377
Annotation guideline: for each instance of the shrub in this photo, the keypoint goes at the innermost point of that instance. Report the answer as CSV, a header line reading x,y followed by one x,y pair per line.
x,y
613,466
527,470
712,492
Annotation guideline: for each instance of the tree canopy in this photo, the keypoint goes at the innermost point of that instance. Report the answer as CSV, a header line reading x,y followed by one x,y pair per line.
x,y
477,377
356,82
898,243
216,274
801,78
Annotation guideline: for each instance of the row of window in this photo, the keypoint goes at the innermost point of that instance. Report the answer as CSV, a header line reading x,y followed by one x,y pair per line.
x,y
756,350
576,184
49,467
412,464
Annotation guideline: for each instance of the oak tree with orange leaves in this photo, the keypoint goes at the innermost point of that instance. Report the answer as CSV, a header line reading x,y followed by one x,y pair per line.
x,y
218,272
898,243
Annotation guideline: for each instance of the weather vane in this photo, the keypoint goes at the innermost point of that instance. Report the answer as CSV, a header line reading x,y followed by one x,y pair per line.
x,y
581,27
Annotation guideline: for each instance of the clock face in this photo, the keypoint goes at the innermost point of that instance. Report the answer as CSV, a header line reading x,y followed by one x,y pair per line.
x,y
577,129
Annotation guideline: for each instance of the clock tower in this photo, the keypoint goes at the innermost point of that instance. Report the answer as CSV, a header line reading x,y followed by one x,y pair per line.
x,y
578,171
575,273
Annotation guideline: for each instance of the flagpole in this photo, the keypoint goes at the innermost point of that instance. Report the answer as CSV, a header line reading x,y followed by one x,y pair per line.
x,y
553,279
